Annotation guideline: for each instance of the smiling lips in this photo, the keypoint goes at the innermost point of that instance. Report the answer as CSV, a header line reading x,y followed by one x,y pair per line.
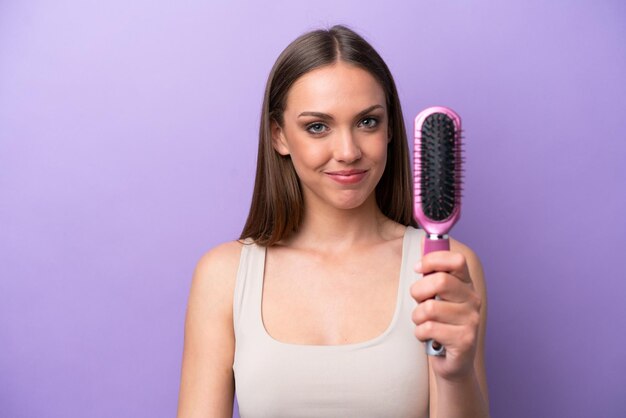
x,y
347,176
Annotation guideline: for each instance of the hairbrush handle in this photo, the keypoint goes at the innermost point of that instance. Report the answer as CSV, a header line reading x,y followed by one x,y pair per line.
x,y
434,242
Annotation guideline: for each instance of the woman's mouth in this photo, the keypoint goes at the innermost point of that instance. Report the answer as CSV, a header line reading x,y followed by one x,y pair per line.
x,y
347,176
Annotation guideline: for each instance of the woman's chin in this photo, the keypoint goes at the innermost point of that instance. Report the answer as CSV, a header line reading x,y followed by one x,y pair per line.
x,y
353,202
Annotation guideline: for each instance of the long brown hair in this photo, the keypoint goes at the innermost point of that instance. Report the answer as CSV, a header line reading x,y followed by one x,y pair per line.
x,y
277,207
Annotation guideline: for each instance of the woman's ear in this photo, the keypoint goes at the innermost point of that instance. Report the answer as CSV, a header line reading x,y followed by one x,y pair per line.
x,y
278,138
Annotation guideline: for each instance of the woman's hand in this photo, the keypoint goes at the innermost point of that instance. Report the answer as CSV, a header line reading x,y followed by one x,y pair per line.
x,y
454,319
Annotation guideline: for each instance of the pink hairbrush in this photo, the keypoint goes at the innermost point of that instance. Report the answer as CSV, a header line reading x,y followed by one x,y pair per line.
x,y
437,182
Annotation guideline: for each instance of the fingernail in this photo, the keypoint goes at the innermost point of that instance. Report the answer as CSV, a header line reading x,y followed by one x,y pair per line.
x,y
418,267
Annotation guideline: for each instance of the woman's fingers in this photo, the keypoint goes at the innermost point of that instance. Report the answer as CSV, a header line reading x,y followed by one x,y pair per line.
x,y
454,337
446,286
447,323
445,261
454,317
445,312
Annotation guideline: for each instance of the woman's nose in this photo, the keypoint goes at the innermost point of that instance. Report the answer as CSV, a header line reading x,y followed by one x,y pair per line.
x,y
346,148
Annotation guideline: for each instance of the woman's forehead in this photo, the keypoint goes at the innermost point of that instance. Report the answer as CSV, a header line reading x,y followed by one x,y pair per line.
x,y
339,86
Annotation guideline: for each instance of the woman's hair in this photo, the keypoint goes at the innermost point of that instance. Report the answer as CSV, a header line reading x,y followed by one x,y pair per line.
x,y
277,207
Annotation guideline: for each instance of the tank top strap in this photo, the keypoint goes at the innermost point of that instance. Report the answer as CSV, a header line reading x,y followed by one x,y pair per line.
x,y
247,286
413,251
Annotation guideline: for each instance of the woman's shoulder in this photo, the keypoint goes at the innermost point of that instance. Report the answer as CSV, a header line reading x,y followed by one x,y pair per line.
x,y
215,273
460,247
221,256
474,264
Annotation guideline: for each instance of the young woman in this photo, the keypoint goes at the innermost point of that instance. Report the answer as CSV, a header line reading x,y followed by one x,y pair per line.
x,y
322,308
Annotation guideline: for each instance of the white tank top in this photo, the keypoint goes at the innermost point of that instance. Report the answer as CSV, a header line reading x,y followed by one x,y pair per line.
x,y
385,377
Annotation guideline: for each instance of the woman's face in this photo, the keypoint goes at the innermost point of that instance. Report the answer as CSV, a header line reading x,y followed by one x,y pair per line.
x,y
335,129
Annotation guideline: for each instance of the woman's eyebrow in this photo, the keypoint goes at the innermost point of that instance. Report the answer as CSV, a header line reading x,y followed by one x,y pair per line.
x,y
368,110
326,116
316,114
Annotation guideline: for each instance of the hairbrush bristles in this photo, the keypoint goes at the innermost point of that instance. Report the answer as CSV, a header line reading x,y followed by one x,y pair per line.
x,y
438,169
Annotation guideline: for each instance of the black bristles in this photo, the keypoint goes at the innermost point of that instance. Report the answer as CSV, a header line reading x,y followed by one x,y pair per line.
x,y
439,171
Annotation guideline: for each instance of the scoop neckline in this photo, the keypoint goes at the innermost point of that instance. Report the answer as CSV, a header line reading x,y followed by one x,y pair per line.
x,y
371,341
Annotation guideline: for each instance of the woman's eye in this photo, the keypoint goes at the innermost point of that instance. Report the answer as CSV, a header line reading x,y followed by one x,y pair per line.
x,y
369,122
316,128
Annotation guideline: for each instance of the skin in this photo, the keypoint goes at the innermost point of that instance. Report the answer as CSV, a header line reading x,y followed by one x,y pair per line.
x,y
346,256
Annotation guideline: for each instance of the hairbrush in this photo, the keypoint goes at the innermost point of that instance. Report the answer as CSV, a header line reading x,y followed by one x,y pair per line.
x,y
437,182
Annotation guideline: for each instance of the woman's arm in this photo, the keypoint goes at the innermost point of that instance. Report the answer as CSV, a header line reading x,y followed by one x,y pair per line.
x,y
458,383
207,383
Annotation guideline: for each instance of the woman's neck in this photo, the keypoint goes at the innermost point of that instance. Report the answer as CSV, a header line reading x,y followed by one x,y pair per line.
x,y
336,229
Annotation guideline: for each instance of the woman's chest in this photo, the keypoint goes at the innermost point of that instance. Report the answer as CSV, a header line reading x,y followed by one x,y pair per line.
x,y
310,302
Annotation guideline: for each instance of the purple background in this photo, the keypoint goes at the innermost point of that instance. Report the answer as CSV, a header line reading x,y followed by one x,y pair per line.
x,y
127,149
